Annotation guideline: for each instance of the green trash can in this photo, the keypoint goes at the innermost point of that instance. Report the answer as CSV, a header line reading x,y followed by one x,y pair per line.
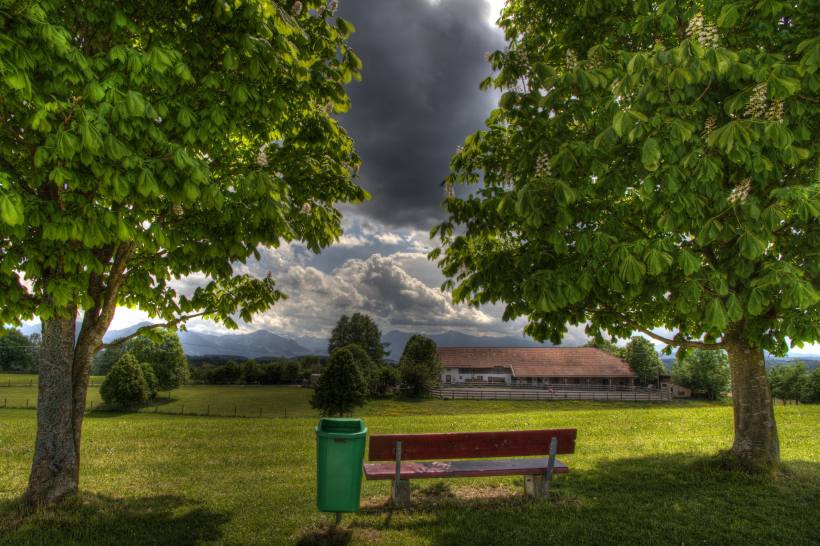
x,y
339,458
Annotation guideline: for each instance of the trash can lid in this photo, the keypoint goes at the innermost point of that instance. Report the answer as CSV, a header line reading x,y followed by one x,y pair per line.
x,y
330,427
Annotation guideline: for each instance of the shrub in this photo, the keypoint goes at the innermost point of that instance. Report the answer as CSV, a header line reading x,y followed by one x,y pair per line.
x,y
125,384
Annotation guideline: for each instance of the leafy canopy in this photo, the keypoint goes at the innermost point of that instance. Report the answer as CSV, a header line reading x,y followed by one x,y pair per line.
x,y
361,330
703,371
419,365
148,141
642,357
650,164
16,351
791,382
163,352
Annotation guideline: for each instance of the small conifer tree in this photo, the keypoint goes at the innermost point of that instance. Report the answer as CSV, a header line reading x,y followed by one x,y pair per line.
x,y
341,387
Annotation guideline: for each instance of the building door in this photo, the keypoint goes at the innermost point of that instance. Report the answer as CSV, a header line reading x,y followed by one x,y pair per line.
x,y
448,379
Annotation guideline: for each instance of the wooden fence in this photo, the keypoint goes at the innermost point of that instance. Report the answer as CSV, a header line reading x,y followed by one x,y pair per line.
x,y
521,394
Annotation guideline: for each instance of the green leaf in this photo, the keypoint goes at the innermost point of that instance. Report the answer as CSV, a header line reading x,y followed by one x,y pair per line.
x,y
756,302
632,270
146,183
734,309
651,154
688,262
136,106
729,16
716,316
657,261
617,120
751,246
11,212
191,192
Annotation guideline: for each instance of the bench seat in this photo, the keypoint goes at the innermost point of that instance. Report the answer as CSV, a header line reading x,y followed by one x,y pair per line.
x,y
462,469
399,449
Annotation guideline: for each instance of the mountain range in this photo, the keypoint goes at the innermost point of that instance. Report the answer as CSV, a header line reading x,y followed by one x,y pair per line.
x,y
263,343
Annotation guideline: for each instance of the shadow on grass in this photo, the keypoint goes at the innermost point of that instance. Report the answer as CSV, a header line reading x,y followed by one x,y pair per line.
x,y
647,500
101,520
326,535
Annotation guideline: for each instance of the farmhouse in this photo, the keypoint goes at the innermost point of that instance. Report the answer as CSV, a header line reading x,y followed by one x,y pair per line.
x,y
581,367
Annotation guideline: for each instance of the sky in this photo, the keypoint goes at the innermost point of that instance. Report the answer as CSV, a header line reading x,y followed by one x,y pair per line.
x,y
418,100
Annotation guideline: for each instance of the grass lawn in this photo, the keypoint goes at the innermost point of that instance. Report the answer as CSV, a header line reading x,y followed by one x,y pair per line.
x,y
643,473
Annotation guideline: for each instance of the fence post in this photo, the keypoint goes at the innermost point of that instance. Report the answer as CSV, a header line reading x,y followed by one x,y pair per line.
x,y
209,410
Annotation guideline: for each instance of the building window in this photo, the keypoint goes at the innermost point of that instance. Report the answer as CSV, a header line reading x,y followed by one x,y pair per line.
x,y
459,377
577,380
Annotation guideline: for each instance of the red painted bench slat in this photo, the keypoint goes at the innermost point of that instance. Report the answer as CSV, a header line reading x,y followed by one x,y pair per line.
x,y
461,469
470,445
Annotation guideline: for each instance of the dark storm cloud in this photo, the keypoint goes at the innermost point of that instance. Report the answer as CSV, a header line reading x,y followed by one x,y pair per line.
x,y
418,99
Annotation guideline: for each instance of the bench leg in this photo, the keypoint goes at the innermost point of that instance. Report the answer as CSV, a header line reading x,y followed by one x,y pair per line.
x,y
537,486
401,496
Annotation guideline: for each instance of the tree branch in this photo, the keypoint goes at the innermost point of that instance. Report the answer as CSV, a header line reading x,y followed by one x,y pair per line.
x,y
704,92
656,337
145,329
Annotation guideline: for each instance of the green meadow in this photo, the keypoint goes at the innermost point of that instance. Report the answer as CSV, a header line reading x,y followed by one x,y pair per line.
x,y
643,473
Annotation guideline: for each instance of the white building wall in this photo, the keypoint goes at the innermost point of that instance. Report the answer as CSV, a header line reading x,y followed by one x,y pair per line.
x,y
456,377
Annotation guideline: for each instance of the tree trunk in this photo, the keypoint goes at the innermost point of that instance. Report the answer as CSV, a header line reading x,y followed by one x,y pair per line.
x,y
55,470
756,439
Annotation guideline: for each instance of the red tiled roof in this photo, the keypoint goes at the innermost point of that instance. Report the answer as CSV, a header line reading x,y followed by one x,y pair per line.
x,y
538,361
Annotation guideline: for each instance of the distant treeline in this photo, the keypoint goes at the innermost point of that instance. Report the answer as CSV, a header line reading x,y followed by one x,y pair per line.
x,y
196,361
255,372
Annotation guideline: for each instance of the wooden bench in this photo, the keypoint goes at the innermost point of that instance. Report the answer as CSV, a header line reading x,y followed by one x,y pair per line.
x,y
537,472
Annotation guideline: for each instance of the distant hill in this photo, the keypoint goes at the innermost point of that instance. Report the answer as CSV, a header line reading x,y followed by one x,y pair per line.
x,y
254,345
452,338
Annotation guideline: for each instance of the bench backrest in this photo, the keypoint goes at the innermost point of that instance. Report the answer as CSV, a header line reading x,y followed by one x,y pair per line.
x,y
470,445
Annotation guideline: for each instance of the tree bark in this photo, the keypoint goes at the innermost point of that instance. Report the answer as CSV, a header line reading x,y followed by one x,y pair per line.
x,y
756,439
55,470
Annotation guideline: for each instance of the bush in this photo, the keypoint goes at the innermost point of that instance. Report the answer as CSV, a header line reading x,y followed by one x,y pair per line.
x,y
125,384
341,386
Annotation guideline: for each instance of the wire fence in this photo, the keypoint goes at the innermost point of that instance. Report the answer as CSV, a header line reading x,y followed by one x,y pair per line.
x,y
523,394
200,409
